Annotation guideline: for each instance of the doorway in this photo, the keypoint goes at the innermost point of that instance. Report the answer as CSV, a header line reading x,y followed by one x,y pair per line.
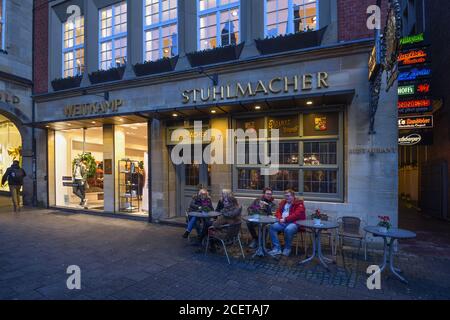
x,y
10,147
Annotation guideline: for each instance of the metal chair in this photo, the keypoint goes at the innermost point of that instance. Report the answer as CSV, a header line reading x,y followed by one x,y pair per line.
x,y
227,234
351,228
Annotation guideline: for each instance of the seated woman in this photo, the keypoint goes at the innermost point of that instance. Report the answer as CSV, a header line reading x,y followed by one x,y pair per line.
x,y
231,212
263,205
200,202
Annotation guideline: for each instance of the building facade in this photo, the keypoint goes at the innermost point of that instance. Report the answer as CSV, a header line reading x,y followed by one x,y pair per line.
x,y
297,66
16,24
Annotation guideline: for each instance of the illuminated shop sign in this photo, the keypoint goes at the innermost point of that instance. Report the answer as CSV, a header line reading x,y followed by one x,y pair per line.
x,y
414,74
415,106
413,56
416,138
414,89
418,38
88,109
416,122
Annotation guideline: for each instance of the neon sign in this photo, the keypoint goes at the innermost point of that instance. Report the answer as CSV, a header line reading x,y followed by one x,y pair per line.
x,y
412,39
414,74
422,88
406,90
416,103
412,57
416,122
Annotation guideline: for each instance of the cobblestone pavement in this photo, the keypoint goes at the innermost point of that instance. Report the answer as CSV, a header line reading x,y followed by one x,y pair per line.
x,y
123,259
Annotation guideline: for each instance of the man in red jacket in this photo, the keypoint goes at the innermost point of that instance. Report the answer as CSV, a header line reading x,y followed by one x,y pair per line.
x,y
289,212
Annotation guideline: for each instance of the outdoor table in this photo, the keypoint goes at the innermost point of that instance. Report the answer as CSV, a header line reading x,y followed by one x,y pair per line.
x,y
389,239
204,216
316,230
261,221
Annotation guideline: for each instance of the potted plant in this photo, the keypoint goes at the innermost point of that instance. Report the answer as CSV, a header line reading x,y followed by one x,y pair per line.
x,y
153,67
112,74
215,55
317,217
295,41
67,83
384,224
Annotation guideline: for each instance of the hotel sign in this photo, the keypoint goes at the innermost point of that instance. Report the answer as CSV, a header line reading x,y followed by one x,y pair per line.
x,y
416,122
422,88
95,108
279,85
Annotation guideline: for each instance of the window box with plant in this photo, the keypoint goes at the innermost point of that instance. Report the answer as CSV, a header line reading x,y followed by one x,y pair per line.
x,y
113,74
290,42
67,83
154,67
215,55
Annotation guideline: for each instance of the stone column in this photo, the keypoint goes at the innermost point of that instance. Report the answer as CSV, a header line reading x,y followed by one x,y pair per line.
x,y
109,179
91,47
135,45
187,31
252,25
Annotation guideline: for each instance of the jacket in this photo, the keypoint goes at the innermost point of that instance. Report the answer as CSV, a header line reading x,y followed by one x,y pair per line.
x,y
197,204
7,175
296,212
255,207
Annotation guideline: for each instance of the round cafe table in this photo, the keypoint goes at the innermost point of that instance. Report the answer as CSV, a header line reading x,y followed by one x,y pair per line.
x,y
261,221
389,239
317,248
204,217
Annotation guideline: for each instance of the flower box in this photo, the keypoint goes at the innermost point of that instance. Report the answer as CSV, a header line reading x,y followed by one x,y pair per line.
x,y
216,55
112,74
154,67
290,42
67,83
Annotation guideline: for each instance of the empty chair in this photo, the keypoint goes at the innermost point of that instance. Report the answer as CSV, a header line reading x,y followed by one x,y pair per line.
x,y
227,234
350,228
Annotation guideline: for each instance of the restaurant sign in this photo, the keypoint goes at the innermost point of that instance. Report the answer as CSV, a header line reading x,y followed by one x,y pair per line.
x,y
413,57
415,106
414,74
416,138
88,109
418,38
415,122
275,86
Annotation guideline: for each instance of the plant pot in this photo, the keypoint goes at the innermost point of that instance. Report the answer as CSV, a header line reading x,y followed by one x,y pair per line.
x,y
66,83
154,67
216,55
317,222
290,42
113,74
383,229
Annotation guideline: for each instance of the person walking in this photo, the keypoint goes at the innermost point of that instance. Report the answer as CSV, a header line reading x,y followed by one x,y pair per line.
x,y
14,175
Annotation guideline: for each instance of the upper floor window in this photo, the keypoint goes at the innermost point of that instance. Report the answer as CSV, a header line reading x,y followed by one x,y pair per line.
x,y
218,22
73,47
160,29
113,36
290,16
2,24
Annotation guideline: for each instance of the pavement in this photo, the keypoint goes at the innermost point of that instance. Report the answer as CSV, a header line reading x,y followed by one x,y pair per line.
x,y
125,259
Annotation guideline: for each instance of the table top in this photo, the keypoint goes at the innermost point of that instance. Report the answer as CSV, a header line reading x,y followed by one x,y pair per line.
x,y
392,233
210,214
261,219
324,224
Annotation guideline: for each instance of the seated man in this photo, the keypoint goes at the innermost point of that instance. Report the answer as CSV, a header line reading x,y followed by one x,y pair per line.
x,y
200,202
264,205
289,212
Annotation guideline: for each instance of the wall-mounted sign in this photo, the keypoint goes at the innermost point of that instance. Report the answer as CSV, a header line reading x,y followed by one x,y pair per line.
x,y
416,138
320,124
418,38
373,150
9,98
414,74
415,106
275,86
95,108
421,88
108,166
416,122
200,135
375,60
413,57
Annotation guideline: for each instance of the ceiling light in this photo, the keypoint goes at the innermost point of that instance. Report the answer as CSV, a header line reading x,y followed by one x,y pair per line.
x,y
309,103
257,107
174,115
93,122
213,111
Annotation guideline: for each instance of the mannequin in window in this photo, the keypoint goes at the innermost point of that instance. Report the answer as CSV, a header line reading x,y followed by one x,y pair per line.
x,y
228,35
79,174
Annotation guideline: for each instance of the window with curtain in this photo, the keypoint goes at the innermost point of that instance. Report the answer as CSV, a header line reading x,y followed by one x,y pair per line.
x,y
113,36
73,47
2,24
160,29
218,23
290,16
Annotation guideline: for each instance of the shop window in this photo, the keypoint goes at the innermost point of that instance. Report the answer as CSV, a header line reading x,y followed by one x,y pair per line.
x,y
288,153
2,23
10,146
320,153
320,181
73,47
285,179
250,179
290,16
161,29
113,36
218,22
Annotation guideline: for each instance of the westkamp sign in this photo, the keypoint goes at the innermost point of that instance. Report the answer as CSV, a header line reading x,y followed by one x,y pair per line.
x,y
415,122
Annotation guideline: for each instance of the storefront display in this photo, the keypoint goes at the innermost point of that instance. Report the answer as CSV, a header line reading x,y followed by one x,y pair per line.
x,y
10,146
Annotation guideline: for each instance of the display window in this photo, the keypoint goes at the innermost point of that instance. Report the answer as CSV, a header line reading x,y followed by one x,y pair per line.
x,y
10,146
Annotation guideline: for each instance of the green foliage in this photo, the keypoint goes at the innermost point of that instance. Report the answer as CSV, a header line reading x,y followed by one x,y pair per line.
x,y
89,160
